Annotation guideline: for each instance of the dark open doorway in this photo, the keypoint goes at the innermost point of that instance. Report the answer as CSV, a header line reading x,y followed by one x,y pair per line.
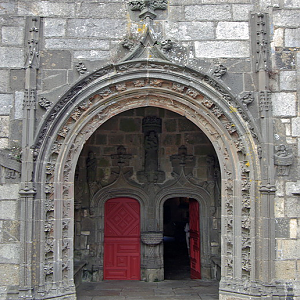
x,y
178,258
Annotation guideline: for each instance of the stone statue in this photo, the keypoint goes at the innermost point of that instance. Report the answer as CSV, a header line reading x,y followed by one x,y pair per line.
x,y
151,151
91,167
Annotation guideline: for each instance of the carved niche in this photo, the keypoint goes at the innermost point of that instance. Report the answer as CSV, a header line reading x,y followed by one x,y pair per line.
x,y
283,159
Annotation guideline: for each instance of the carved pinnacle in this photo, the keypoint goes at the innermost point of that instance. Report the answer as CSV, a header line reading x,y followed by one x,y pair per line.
x,y
147,7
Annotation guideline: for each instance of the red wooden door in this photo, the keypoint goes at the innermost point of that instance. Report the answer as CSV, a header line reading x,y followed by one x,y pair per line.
x,y
194,240
122,239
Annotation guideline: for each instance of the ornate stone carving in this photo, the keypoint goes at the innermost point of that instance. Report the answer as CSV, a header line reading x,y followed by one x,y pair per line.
x,y
151,173
127,44
192,93
260,22
81,68
178,87
264,100
45,103
283,159
182,161
33,39
152,238
166,45
247,98
147,7
219,71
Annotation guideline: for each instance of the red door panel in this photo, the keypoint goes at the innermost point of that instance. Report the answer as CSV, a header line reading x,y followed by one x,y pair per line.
x,y
195,262
122,239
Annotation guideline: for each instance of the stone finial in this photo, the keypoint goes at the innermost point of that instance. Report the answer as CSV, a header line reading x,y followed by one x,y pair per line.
x,y
147,7
219,71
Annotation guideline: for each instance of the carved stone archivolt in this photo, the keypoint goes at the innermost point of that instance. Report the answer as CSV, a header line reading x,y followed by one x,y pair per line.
x,y
202,100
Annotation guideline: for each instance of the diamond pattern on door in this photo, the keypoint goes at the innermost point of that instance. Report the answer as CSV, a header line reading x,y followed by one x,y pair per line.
x,y
122,239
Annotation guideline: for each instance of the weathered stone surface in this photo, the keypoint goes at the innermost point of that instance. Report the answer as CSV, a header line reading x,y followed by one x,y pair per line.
x,y
291,206
282,228
208,12
296,126
214,49
285,59
3,143
6,101
101,10
54,27
293,228
76,44
17,80
279,207
190,30
56,59
9,191
53,79
285,270
286,18
92,55
288,80
4,81
9,274
11,57
278,37
9,253
12,35
18,107
232,31
284,104
46,8
292,37
240,12
98,28
4,127
292,3
288,248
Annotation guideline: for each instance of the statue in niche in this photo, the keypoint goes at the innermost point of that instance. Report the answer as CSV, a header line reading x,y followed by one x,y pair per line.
x,y
151,151
151,173
91,167
283,159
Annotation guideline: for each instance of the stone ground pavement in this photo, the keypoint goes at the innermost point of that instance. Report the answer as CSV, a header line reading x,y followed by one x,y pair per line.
x,y
139,290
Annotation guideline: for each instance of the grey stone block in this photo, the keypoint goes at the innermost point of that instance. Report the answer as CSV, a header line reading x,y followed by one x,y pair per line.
x,y
8,192
92,54
9,253
292,3
4,127
12,35
76,44
6,103
99,28
288,80
282,228
46,8
101,10
286,18
4,81
3,142
190,30
53,79
8,208
296,126
55,59
292,37
232,31
54,27
12,57
215,49
241,12
19,99
284,104
8,7
208,12
17,80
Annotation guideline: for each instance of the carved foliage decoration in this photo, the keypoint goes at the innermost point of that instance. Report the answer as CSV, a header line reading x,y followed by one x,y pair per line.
x,y
147,7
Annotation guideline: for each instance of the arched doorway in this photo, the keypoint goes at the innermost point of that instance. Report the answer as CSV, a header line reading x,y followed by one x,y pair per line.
x,y
114,161
182,239
116,89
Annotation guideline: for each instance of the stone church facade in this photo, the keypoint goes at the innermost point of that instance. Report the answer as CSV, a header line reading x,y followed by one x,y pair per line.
x,y
112,110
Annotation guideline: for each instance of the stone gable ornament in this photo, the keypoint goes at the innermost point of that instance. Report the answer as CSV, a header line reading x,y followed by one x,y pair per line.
x,y
148,7
283,159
